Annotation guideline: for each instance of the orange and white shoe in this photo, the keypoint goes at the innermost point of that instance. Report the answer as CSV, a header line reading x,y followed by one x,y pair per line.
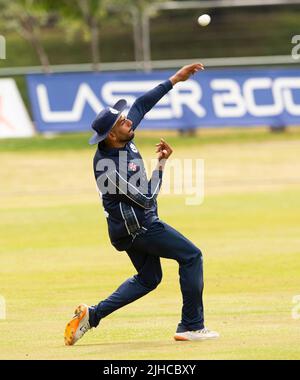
x,y
196,335
78,325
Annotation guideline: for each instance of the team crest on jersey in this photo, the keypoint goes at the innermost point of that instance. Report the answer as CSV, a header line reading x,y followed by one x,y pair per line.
x,y
133,148
132,167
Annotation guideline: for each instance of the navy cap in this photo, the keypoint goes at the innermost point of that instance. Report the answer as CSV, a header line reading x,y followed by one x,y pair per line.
x,y
105,120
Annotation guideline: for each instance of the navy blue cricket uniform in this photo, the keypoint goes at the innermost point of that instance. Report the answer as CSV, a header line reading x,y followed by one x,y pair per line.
x,y
134,226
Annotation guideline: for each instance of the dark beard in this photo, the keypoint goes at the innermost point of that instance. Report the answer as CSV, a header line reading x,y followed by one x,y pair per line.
x,y
127,139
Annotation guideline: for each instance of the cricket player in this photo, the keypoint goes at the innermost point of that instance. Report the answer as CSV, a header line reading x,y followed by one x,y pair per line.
x,y
130,207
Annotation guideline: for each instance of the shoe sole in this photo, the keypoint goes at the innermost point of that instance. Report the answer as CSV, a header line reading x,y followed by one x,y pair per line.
x,y
72,326
180,338
183,339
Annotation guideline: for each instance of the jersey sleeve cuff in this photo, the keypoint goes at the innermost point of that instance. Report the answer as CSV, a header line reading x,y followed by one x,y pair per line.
x,y
167,85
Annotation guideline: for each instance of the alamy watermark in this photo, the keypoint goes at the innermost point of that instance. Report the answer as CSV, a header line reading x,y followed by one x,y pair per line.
x,y
128,177
296,308
2,308
2,47
296,49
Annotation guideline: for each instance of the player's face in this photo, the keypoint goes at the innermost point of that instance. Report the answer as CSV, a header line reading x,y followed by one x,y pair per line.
x,y
123,130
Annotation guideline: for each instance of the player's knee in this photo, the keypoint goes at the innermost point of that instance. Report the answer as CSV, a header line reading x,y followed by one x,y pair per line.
x,y
196,254
151,281
156,280
159,278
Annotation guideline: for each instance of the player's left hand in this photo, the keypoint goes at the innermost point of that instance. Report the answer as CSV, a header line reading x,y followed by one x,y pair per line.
x,y
163,149
185,72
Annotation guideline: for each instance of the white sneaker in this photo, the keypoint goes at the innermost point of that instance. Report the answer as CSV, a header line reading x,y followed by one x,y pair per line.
x,y
197,335
78,325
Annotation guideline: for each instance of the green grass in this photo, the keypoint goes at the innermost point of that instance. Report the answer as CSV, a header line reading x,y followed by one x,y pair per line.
x,y
79,141
55,252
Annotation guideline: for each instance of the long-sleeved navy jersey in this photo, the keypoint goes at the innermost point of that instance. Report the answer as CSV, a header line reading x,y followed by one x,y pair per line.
x,y
128,198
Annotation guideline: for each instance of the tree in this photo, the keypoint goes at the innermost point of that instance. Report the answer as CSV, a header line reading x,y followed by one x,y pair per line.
x,y
85,16
27,17
137,10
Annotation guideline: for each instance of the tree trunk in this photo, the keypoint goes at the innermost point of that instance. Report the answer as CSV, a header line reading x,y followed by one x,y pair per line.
x,y
146,41
91,22
43,57
95,44
29,32
137,35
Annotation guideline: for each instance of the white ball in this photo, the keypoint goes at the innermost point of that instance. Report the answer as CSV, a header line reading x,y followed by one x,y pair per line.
x,y
204,20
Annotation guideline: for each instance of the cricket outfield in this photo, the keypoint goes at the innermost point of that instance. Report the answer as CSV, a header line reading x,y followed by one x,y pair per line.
x,y
55,251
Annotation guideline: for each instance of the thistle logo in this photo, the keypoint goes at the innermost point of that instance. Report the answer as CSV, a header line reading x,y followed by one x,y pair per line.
x,y
112,110
2,47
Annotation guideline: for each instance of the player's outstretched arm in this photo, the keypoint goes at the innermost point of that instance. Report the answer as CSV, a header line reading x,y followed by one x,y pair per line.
x,y
146,102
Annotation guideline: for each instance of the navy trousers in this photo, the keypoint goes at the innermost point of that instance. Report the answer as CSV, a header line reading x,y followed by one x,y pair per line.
x,y
160,240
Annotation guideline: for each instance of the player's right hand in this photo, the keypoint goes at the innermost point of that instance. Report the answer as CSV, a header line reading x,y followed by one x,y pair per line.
x,y
185,72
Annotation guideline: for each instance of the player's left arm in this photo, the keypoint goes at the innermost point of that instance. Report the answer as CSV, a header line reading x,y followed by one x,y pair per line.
x,y
146,102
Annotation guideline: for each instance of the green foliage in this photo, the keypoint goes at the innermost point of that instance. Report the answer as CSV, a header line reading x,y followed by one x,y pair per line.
x,y
230,34
75,16
27,18
141,5
15,14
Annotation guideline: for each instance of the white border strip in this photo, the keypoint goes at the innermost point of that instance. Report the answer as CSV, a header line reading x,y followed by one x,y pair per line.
x,y
161,64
